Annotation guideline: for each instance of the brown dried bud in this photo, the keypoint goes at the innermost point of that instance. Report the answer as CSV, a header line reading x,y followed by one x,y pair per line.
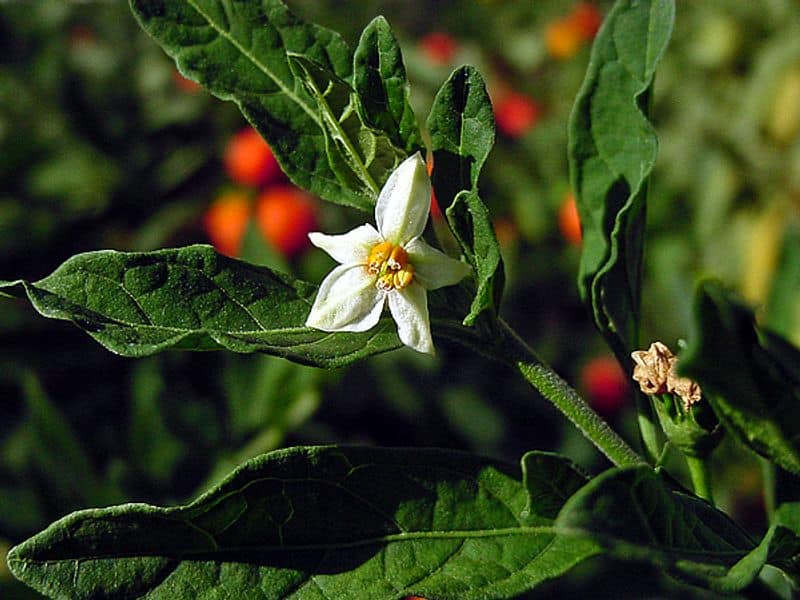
x,y
652,368
688,390
656,372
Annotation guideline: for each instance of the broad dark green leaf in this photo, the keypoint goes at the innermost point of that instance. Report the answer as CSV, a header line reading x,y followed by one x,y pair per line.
x,y
612,150
750,376
461,126
550,480
192,298
470,221
636,515
362,158
320,523
238,50
780,547
379,77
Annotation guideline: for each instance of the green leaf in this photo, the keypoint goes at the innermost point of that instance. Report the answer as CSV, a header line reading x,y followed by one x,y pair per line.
x,y
612,150
379,77
780,547
239,50
472,226
361,157
345,523
461,125
192,298
550,480
750,376
636,515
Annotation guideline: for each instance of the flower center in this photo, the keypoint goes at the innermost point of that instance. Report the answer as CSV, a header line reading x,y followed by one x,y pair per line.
x,y
390,264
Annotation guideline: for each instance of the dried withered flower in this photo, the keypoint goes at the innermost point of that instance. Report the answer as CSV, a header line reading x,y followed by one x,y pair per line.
x,y
688,390
652,368
656,372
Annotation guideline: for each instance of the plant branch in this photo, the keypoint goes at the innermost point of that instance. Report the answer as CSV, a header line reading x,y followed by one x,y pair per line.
x,y
518,354
701,477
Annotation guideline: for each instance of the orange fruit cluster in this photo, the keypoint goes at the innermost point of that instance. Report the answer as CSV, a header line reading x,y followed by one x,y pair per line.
x,y
284,214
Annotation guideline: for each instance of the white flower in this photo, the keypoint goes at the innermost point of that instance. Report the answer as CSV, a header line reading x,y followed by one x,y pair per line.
x,y
393,264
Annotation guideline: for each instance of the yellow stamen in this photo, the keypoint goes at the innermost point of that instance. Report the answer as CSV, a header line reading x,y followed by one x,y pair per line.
x,y
390,264
385,282
397,259
378,256
403,277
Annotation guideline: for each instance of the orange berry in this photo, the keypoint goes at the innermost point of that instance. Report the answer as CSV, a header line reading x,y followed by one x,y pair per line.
x,y
249,160
439,48
285,215
225,221
586,19
515,114
563,39
569,221
606,385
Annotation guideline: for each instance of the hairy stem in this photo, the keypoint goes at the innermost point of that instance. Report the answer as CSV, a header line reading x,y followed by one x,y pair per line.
x,y
566,399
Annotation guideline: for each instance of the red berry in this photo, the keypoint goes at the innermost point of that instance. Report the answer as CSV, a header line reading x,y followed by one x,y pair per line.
x,y
225,221
515,114
249,160
586,19
285,216
436,210
439,48
569,220
606,385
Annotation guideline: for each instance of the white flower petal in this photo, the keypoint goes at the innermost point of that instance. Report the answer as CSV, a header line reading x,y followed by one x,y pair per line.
x,y
404,202
409,308
348,248
432,268
347,300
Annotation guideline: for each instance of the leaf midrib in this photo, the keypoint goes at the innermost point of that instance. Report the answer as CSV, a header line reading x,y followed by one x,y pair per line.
x,y
385,539
377,540
261,66
361,168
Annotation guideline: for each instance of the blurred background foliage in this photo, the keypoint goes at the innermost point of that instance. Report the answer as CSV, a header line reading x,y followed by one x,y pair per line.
x,y
104,145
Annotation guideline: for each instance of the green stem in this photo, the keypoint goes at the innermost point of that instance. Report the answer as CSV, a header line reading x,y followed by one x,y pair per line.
x,y
647,428
768,474
701,477
566,399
